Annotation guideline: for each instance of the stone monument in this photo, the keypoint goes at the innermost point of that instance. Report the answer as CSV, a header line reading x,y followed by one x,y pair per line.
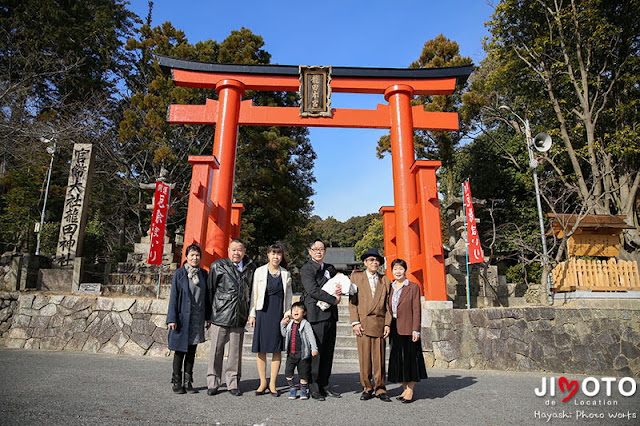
x,y
74,215
67,272
135,276
483,278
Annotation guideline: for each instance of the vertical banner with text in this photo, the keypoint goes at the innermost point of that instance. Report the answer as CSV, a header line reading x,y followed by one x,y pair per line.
x,y
473,242
158,222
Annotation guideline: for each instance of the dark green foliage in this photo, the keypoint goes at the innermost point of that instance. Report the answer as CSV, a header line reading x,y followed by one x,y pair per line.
x,y
508,190
344,234
572,69
60,62
63,50
523,274
432,145
49,239
372,238
273,166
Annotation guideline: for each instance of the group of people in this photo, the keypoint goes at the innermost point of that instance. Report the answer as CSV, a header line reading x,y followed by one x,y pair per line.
x,y
235,293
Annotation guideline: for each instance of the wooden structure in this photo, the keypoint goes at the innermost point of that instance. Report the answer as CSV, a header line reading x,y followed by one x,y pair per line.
x,y
412,229
596,275
594,236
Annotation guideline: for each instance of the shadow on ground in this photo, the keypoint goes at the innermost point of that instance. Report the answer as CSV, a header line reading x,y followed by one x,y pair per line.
x,y
431,388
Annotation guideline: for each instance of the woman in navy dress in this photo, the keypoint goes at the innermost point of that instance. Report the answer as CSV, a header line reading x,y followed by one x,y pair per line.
x,y
270,304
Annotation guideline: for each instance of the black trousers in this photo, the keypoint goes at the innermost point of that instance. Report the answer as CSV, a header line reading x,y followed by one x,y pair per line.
x,y
325,334
304,366
184,357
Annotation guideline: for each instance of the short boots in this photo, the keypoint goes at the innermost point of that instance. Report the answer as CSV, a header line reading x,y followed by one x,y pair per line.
x,y
176,383
304,393
188,381
293,391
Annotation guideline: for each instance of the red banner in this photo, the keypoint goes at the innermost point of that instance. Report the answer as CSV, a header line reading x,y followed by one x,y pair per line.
x,y
473,241
158,222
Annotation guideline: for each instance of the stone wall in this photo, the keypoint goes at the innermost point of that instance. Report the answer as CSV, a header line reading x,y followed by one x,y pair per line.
x,y
20,272
10,265
562,340
8,306
138,285
89,324
593,341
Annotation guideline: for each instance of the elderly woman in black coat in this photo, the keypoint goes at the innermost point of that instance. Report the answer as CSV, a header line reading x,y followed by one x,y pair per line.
x,y
188,312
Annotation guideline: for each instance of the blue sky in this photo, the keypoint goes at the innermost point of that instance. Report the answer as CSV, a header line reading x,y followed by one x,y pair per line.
x,y
351,180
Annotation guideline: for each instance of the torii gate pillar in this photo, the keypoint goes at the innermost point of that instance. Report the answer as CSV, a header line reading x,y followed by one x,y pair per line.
x,y
426,262
416,211
224,148
402,157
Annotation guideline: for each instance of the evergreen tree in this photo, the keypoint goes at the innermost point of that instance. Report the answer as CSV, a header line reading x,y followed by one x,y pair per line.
x,y
439,52
273,167
59,67
373,237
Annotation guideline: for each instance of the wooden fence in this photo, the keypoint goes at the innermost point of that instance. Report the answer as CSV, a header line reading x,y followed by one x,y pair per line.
x,y
596,275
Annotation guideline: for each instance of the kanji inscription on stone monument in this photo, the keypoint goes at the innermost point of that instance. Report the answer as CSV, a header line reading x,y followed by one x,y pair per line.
x,y
74,214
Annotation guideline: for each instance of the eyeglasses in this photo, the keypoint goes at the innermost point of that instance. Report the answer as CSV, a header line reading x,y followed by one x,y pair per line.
x,y
318,250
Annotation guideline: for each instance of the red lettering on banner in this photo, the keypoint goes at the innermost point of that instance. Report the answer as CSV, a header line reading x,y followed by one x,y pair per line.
x,y
158,222
473,242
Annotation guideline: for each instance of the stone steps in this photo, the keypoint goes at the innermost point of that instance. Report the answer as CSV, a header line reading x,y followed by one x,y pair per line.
x,y
345,350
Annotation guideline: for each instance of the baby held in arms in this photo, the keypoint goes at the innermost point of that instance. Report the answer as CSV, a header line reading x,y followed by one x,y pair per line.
x,y
348,288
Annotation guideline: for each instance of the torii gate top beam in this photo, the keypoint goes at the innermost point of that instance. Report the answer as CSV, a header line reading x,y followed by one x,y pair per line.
x,y
430,81
424,81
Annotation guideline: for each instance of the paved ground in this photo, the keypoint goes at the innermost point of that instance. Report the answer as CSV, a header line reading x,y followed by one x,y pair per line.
x,y
39,387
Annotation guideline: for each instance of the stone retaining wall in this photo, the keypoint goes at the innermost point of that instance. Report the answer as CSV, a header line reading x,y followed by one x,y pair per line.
x,y
10,265
8,306
562,340
89,324
559,340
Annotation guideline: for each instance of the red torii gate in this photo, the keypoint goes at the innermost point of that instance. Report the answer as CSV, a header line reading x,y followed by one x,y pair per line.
x,y
411,228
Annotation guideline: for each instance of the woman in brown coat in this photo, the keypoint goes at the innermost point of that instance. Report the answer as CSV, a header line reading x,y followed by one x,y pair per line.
x,y
406,363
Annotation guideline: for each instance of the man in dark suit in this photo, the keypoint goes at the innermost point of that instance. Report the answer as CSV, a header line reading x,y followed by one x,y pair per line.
x,y
315,274
371,321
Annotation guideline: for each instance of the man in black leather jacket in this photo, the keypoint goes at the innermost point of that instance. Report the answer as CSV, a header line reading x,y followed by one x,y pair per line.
x,y
229,282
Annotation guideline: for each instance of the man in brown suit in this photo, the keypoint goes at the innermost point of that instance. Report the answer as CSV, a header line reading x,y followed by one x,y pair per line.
x,y
371,321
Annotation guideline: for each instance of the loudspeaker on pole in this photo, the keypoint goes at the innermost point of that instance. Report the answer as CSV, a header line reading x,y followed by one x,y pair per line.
x,y
542,142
